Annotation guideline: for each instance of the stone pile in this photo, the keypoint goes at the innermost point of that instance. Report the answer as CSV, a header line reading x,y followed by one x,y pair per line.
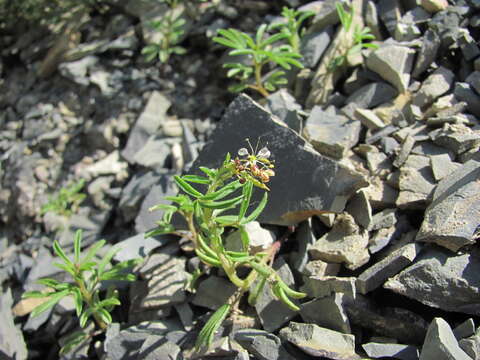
x,y
377,170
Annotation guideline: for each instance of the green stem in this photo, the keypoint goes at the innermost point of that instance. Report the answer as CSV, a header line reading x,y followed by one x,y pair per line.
x,y
88,298
258,79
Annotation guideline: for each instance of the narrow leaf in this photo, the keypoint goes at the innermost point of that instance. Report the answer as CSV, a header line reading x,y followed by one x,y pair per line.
x,y
54,299
93,250
77,244
59,251
255,213
186,187
247,194
205,337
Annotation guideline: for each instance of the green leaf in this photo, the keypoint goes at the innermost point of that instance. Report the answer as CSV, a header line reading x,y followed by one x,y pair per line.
x,y
84,317
222,204
260,33
162,207
205,337
34,294
226,219
160,230
108,302
253,295
255,213
72,341
66,268
107,259
272,39
54,298
208,259
186,187
211,173
104,315
77,245
59,251
247,194
196,179
223,192
179,50
77,297
93,251
244,237
52,283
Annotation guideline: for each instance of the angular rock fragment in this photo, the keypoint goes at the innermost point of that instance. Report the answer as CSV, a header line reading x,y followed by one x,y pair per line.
x,y
465,329
369,119
262,344
327,312
345,243
285,106
435,85
378,273
390,13
440,343
452,219
213,292
359,207
441,280
320,342
391,351
427,53
443,166
368,96
260,239
393,63
314,45
321,268
331,135
322,286
463,92
471,346
416,182
306,182
12,345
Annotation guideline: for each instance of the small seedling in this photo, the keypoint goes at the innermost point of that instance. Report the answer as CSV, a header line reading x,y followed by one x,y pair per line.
x,y
67,201
228,189
261,51
292,26
87,275
360,35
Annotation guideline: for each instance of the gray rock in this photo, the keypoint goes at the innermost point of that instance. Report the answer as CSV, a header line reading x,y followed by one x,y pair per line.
x,y
12,345
376,275
440,343
272,312
390,13
399,324
327,312
156,347
285,106
380,239
407,146
186,315
452,218
321,268
166,278
435,85
213,292
380,194
456,137
134,192
326,14
322,179
369,96
345,243
323,286
320,342
147,124
442,166
440,280
463,92
465,329
474,81
383,219
369,119
126,344
427,53
146,219
468,45
139,246
395,351
153,154
471,346
260,239
262,344
77,71
359,207
331,135
393,63
304,237
314,45
371,20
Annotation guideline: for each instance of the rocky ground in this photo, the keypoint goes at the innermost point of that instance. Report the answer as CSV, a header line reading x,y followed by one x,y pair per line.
x,y
376,197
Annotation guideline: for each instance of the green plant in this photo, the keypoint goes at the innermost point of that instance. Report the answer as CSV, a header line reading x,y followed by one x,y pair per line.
x,y
360,34
87,275
228,189
261,51
171,29
292,26
67,200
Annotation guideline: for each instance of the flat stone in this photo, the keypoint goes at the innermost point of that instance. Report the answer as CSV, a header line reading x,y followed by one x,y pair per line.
x,y
393,63
434,6
394,351
435,85
463,92
77,70
381,195
440,343
310,188
377,274
378,162
331,135
314,45
153,154
380,239
345,243
406,147
139,246
468,45
441,280
465,329
456,137
156,347
285,107
260,239
471,346
399,324
262,344
416,182
146,125
452,218
359,207
166,278
304,237
383,219
390,14
474,81
442,166
323,286
372,20
369,96
427,53
272,312
327,312
319,268
213,292
12,344
369,119
320,342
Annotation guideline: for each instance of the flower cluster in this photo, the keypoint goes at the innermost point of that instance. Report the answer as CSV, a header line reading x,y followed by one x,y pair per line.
x,y
255,167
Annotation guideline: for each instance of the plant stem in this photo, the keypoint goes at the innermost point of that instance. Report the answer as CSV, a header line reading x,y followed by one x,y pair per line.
x,y
88,298
258,79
